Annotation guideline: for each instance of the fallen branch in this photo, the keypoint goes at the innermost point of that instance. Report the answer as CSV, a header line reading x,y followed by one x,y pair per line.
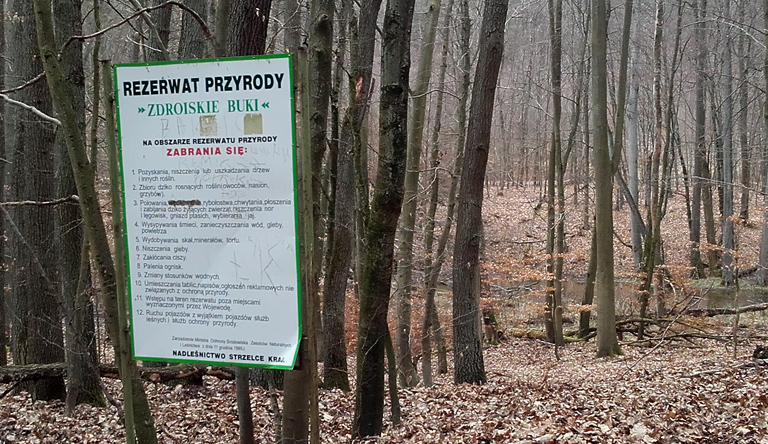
x,y
35,372
709,312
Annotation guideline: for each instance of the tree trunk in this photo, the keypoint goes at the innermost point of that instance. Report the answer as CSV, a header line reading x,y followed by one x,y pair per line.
x,y
762,268
244,414
94,225
633,126
700,152
301,381
36,315
607,342
382,223
432,263
407,374
83,383
341,225
554,334
468,353
3,181
726,93
158,42
192,42
247,27
746,152
340,232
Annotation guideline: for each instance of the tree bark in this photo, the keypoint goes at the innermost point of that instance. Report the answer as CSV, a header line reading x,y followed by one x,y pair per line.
x,y
158,42
36,316
468,353
607,342
726,85
407,374
432,262
762,268
700,153
192,42
83,383
340,231
84,179
3,181
382,223
247,27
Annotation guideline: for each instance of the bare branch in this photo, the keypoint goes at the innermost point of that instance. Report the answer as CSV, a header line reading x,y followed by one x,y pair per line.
x,y
73,198
34,110
142,11
31,82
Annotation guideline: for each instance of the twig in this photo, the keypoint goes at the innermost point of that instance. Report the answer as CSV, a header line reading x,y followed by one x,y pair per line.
x,y
194,14
73,198
10,389
29,83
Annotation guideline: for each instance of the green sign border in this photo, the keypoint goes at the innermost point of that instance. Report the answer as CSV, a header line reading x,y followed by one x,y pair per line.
x,y
115,69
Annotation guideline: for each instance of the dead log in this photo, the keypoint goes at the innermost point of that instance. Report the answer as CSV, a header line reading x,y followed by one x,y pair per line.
x,y
34,372
709,312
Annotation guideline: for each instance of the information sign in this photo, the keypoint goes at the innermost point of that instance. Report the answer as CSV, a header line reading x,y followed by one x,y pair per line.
x,y
208,166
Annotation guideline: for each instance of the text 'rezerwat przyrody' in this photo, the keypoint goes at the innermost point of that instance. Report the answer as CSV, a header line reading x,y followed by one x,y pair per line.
x,y
250,82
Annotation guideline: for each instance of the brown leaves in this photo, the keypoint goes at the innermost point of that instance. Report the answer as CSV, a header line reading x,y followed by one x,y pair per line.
x,y
529,398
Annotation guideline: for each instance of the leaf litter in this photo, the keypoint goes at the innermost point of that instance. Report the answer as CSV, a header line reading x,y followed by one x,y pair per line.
x,y
679,394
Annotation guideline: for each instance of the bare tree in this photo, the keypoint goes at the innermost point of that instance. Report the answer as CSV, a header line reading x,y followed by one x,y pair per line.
x,y
468,353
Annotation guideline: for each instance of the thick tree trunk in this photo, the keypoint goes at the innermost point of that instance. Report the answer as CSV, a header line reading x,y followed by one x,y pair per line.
x,y
36,316
247,27
700,152
94,225
83,383
158,42
192,42
468,353
607,342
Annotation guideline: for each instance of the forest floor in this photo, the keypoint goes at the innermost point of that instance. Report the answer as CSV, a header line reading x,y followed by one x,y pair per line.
x,y
685,384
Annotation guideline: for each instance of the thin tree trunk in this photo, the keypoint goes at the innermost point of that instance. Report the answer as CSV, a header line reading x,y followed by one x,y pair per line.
x,y
429,230
762,268
746,152
382,224
340,232
727,131
407,374
84,178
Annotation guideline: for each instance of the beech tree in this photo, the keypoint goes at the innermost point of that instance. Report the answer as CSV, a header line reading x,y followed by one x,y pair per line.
x,y
468,353
386,202
607,341
36,316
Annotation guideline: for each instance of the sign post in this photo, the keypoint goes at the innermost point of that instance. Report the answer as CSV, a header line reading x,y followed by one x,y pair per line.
x,y
209,177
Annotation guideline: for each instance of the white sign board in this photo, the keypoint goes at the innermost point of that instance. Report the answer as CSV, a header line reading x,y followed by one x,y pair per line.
x,y
208,165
